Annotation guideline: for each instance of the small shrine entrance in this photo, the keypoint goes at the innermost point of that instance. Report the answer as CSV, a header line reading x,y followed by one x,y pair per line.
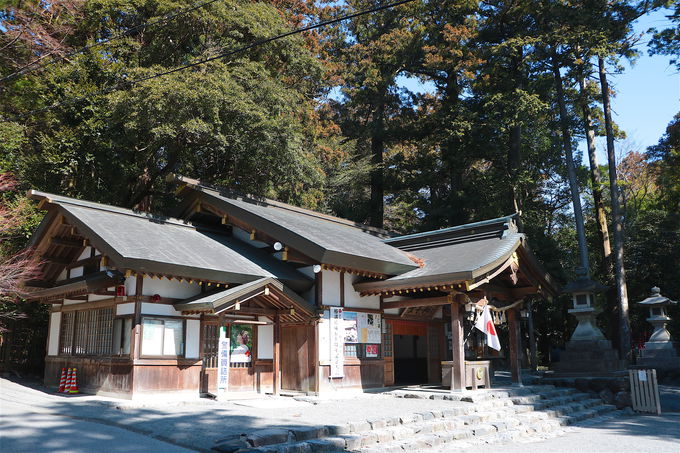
x,y
417,350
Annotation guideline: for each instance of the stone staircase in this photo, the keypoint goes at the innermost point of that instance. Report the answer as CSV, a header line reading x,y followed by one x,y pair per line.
x,y
483,416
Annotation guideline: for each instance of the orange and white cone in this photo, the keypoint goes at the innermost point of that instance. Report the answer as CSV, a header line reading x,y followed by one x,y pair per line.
x,y
68,380
74,383
62,381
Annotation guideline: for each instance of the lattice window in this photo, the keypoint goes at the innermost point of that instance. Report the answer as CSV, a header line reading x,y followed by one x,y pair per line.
x,y
351,350
92,333
66,333
211,336
387,344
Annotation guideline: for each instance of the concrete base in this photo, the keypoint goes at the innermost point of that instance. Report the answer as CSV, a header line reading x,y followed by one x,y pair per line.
x,y
589,357
664,363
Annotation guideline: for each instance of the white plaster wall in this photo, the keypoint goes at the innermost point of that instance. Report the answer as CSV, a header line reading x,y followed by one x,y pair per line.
x,y
53,338
169,288
77,272
391,311
93,297
130,286
159,310
125,309
86,253
324,337
330,288
353,299
62,275
265,341
193,335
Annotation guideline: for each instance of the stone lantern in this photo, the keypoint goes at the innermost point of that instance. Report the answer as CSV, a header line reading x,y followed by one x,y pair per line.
x,y
583,291
659,350
587,352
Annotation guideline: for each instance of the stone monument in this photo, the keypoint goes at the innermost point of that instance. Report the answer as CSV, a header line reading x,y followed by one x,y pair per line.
x,y
659,351
587,352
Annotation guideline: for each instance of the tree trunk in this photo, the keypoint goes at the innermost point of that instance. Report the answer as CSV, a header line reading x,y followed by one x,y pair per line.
x,y
619,269
377,183
571,169
595,178
515,148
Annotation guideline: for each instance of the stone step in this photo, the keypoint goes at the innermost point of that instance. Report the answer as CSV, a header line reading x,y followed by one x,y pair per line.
x,y
486,432
496,417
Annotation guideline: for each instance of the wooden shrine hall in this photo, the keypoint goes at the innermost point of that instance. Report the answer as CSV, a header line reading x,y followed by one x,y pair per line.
x,y
238,294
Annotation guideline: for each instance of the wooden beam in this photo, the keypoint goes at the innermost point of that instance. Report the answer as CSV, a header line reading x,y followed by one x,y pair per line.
x,y
508,292
424,302
68,242
56,259
84,262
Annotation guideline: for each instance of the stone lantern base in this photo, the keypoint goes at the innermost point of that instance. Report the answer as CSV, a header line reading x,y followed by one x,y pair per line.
x,y
588,352
589,357
659,354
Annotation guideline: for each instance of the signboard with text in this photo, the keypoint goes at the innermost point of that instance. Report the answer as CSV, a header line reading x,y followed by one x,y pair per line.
x,y
337,337
223,364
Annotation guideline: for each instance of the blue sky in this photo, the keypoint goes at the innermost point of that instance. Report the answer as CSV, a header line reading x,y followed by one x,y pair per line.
x,y
648,93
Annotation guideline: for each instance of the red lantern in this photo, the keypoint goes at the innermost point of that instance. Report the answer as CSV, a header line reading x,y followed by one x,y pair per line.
x,y
120,290
156,298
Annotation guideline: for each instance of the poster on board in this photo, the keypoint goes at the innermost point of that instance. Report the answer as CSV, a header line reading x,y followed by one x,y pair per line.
x,y
337,342
349,321
371,350
369,327
241,343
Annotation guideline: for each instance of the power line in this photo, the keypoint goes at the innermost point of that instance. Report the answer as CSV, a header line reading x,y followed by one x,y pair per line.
x,y
167,18
130,83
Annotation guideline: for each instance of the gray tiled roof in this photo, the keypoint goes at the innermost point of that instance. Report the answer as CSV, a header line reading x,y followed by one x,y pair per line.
x,y
324,238
154,244
463,258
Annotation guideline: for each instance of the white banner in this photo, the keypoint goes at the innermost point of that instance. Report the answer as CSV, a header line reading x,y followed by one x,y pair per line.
x,y
223,364
337,342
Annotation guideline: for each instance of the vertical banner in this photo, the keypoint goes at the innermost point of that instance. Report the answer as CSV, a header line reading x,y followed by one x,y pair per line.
x,y
223,361
337,343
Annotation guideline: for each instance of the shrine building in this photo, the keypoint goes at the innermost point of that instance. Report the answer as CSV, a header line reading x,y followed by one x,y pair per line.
x,y
310,303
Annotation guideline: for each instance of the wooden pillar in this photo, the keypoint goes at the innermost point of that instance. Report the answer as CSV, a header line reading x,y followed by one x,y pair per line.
x,y
514,336
136,324
276,378
315,359
458,348
532,337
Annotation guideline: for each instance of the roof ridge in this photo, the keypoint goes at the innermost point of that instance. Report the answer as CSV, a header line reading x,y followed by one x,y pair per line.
x,y
52,198
264,201
453,229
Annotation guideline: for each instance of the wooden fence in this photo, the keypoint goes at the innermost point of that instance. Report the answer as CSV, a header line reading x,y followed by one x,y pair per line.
x,y
644,391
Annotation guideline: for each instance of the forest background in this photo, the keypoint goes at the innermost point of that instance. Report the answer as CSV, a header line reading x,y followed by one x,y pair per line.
x,y
319,119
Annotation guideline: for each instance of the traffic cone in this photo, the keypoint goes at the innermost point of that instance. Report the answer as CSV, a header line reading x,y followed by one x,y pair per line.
x,y
62,381
68,380
74,383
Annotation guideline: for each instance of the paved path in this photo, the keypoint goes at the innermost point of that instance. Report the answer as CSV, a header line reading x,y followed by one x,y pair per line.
x,y
34,419
24,429
199,423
